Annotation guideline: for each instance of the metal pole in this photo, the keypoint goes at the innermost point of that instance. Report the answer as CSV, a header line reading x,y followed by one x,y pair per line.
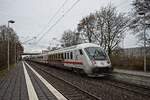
x,y
15,52
8,48
8,54
10,21
144,45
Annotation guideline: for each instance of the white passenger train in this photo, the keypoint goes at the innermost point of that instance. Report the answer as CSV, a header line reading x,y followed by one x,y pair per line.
x,y
87,58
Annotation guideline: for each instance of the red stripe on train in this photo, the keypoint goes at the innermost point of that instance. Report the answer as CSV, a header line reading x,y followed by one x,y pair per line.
x,y
73,62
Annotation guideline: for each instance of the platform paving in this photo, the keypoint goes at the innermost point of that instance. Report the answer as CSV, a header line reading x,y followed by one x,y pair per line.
x,y
13,86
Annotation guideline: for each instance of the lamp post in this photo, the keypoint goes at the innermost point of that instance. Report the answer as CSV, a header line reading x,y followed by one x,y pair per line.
x,y
10,21
144,33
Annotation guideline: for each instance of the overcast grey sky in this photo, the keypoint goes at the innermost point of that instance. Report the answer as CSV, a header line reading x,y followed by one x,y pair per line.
x,y
32,16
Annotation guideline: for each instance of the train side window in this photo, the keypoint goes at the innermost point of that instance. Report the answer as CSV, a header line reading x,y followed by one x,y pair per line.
x,y
65,55
62,57
68,55
71,55
80,51
58,56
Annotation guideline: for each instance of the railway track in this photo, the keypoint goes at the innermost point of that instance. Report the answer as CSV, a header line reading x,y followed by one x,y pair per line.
x,y
137,89
72,92
112,83
128,86
140,81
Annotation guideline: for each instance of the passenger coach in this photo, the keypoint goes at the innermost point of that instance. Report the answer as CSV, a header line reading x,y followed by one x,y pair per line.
x,y
86,58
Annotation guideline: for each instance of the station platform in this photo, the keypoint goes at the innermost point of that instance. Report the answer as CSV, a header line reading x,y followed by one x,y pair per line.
x,y
130,72
24,83
12,86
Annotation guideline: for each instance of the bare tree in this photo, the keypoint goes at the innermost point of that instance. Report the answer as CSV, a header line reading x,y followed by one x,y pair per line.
x,y
3,31
8,33
105,27
111,26
86,28
5,34
69,38
140,22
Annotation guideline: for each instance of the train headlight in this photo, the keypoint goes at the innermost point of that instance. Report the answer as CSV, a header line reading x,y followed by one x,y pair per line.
x,y
93,62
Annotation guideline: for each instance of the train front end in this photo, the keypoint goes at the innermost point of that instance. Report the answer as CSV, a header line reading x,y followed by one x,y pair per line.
x,y
99,62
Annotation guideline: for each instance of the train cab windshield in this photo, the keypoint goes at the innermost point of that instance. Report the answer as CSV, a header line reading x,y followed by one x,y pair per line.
x,y
96,53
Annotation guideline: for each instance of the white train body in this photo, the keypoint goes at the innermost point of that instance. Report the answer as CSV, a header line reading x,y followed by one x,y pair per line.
x,y
88,58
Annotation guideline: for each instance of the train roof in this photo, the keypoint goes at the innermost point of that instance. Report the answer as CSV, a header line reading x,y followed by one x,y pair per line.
x,y
75,47
79,46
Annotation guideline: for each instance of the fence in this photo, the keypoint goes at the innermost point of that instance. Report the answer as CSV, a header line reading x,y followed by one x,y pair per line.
x,y
131,59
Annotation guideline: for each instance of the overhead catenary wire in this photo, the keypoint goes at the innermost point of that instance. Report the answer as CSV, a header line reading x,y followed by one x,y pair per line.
x,y
28,40
65,14
50,20
58,20
40,38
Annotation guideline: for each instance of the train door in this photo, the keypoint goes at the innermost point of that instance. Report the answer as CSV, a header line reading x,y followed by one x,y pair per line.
x,y
82,58
78,57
